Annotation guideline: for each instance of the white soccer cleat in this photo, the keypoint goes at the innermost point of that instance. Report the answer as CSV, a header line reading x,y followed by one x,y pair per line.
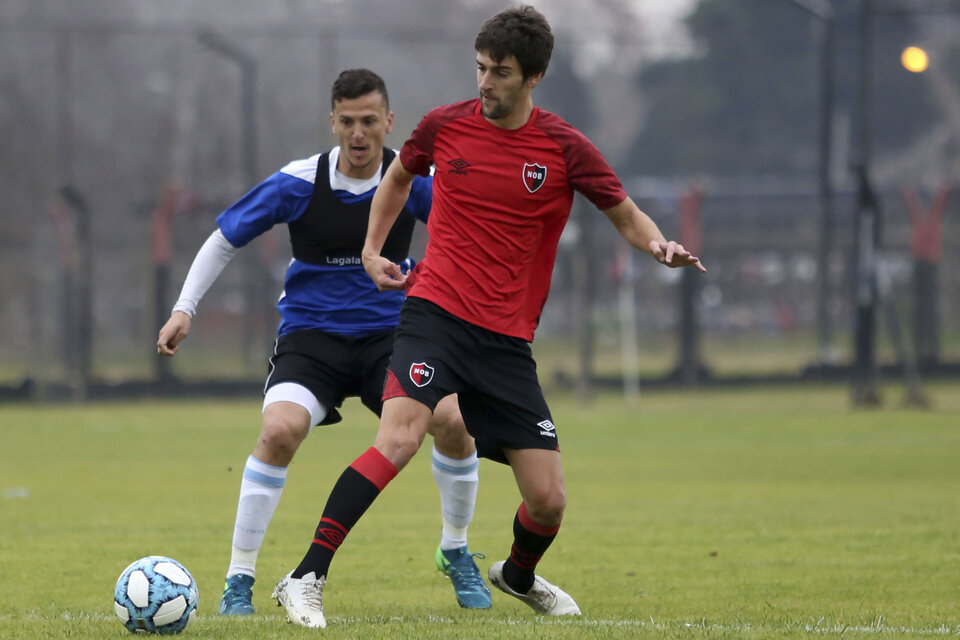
x,y
303,599
543,597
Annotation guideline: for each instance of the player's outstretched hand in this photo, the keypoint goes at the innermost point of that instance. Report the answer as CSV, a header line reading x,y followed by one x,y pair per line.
x,y
176,329
673,254
384,273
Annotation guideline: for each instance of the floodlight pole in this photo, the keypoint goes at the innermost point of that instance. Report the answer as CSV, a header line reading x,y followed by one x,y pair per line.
x,y
866,226
248,90
248,85
825,15
826,36
81,334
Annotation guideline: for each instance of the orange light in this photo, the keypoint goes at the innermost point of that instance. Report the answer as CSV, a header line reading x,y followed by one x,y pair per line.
x,y
915,59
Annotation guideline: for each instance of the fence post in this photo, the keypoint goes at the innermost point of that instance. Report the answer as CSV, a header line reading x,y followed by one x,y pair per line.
x,y
67,253
172,201
584,286
690,235
81,322
624,275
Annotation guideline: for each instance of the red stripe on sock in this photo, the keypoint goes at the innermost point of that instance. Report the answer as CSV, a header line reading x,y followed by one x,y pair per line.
x,y
373,466
324,543
392,387
336,524
330,534
527,523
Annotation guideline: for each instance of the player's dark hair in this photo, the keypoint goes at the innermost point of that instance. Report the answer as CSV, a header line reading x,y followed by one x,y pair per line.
x,y
355,83
521,32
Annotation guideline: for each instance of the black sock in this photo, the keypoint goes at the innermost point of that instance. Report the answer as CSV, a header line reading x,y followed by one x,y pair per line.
x,y
358,486
530,542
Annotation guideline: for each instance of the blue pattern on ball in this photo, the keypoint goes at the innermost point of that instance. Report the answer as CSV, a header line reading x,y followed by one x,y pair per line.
x,y
161,590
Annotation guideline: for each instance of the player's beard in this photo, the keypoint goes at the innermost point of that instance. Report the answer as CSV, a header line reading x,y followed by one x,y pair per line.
x,y
496,111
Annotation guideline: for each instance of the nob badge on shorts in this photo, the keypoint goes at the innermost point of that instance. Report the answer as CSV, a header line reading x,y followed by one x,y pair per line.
x,y
421,374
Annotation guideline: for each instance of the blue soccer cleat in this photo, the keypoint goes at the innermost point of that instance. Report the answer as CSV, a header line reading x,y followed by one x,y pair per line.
x,y
237,596
458,565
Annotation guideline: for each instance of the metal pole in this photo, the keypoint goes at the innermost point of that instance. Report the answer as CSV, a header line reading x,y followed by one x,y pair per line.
x,y
83,320
689,329
866,228
690,369
627,303
253,276
63,167
161,229
162,369
584,282
823,11
826,38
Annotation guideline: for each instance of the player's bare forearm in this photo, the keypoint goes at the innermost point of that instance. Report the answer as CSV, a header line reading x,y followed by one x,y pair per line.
x,y
634,225
642,232
387,203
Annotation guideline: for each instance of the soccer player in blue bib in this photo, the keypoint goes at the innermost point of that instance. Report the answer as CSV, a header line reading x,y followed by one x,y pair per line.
x,y
336,330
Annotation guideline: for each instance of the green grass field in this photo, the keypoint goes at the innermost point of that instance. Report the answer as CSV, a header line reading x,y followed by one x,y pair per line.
x,y
716,514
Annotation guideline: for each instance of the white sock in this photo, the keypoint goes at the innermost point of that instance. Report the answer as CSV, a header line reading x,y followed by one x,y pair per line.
x,y
458,481
260,492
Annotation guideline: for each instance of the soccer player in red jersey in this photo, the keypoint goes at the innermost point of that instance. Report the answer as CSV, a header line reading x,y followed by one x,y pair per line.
x,y
504,181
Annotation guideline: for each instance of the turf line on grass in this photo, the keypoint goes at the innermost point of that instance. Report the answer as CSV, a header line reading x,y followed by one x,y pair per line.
x,y
878,627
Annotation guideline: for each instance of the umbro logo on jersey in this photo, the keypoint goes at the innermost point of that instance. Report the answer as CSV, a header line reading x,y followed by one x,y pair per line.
x,y
421,374
459,166
533,176
547,429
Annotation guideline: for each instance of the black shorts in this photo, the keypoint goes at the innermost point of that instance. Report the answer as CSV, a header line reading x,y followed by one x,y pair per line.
x,y
436,354
333,367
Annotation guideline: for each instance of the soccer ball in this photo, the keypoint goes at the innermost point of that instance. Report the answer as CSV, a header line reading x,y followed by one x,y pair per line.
x,y
155,594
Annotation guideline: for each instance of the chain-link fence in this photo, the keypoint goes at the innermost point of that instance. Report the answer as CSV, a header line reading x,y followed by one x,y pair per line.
x,y
125,132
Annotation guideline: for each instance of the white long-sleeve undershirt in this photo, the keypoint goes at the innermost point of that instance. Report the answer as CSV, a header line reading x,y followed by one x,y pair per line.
x,y
213,256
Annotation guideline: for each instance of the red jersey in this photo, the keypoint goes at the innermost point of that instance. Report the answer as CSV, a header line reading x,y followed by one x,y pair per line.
x,y
501,198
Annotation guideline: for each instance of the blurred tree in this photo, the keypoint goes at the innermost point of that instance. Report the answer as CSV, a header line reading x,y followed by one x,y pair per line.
x,y
745,101
564,93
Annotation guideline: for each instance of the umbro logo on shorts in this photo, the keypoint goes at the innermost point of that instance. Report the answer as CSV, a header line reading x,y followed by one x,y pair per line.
x,y
547,429
421,374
